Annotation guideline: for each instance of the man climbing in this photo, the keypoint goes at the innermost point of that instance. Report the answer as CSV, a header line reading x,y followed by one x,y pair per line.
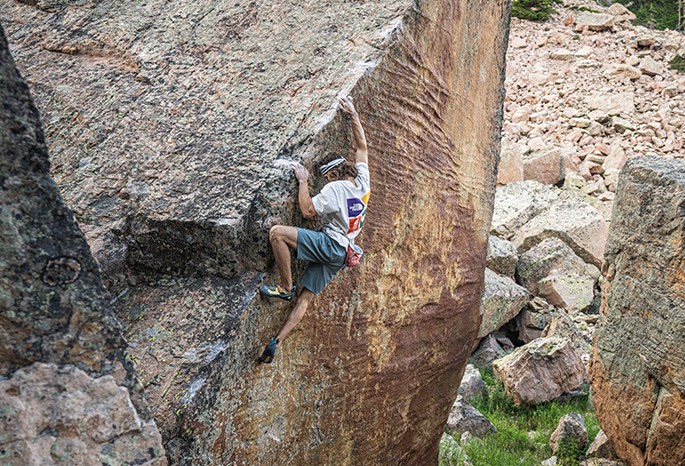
x,y
342,204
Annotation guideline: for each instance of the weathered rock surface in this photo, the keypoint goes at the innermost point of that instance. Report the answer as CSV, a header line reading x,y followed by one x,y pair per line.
x,y
552,257
164,123
488,350
563,326
54,309
533,319
547,166
472,384
601,448
510,167
540,371
465,418
638,372
572,220
518,203
571,431
600,462
621,72
502,256
502,300
595,21
52,415
613,104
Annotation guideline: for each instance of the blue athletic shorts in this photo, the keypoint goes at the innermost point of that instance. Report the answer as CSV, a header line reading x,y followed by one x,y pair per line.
x,y
326,257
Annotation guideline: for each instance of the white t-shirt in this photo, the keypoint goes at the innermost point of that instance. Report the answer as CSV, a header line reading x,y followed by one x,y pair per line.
x,y
343,206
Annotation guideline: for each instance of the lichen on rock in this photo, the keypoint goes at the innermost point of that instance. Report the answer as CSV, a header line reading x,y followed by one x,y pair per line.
x,y
637,372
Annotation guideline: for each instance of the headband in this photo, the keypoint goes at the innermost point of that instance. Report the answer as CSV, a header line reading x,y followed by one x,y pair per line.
x,y
331,165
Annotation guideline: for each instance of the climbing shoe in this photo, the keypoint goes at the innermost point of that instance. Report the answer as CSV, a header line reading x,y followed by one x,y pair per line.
x,y
277,292
269,352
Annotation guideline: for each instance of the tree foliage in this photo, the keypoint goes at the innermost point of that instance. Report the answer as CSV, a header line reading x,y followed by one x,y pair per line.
x,y
659,14
533,10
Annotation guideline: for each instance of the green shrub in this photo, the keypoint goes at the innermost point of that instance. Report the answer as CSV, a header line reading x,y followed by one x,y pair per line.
x,y
534,10
678,64
523,432
568,453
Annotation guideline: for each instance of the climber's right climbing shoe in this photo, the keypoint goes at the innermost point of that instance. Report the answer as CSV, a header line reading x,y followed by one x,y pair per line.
x,y
277,292
270,351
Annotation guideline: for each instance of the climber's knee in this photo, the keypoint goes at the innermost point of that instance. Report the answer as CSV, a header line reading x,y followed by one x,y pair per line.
x,y
282,233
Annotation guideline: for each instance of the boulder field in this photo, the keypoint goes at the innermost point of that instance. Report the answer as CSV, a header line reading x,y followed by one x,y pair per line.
x,y
164,123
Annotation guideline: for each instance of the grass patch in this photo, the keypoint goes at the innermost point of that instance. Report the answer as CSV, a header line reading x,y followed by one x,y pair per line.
x,y
678,64
582,8
523,433
534,10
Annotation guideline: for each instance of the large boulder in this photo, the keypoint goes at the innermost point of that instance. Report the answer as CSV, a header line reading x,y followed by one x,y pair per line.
x,y
501,301
472,384
551,255
554,272
519,202
533,319
52,415
595,21
638,367
563,326
510,167
540,371
166,120
488,350
547,165
570,431
55,315
465,418
575,222
502,256
601,448
612,104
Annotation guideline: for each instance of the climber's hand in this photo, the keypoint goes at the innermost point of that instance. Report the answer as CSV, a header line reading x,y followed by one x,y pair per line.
x,y
301,173
345,104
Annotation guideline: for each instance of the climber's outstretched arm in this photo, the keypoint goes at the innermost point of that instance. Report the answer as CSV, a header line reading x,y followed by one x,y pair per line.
x,y
306,204
362,154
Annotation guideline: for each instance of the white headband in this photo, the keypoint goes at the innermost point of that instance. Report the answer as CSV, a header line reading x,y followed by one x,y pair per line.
x,y
331,165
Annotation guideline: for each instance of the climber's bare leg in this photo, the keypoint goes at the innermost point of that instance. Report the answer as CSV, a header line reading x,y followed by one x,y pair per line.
x,y
295,315
283,239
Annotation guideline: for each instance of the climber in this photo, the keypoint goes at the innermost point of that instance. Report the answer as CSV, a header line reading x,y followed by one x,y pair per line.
x,y
342,203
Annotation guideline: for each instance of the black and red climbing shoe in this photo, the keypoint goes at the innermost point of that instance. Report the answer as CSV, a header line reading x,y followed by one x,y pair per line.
x,y
270,351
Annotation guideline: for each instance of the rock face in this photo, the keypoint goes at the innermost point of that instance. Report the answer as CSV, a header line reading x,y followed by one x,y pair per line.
x,y
502,300
601,448
63,415
572,220
502,256
519,202
164,123
551,256
540,371
54,309
472,384
638,368
571,431
466,418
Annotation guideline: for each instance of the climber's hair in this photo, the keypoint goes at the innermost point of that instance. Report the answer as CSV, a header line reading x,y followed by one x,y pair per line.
x,y
342,171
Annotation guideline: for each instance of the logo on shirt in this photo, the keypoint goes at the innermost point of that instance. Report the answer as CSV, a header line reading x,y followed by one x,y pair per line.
x,y
356,211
